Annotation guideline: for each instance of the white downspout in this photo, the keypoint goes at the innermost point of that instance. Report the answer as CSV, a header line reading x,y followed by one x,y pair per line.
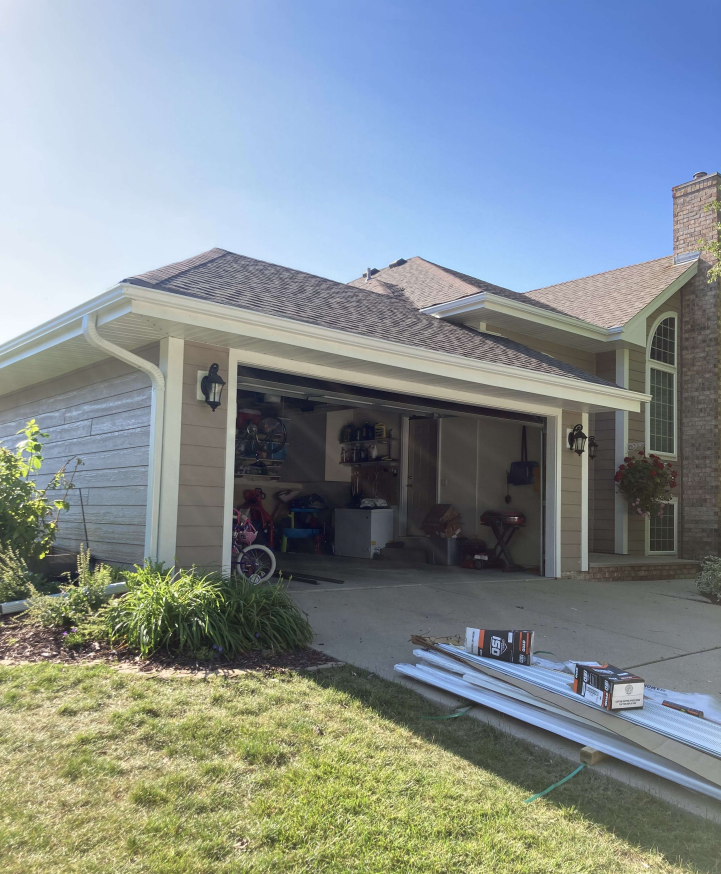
x,y
157,407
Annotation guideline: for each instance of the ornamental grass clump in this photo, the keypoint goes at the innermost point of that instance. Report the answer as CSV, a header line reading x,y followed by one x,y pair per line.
x,y
646,483
183,611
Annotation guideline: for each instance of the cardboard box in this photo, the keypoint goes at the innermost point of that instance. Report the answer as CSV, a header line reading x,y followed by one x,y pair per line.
x,y
506,646
609,687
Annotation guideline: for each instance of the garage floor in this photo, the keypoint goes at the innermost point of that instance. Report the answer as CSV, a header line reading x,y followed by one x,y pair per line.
x,y
664,629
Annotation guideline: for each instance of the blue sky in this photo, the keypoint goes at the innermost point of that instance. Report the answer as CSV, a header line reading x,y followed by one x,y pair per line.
x,y
522,142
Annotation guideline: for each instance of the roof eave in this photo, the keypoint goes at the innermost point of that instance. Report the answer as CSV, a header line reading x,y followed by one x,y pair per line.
x,y
560,328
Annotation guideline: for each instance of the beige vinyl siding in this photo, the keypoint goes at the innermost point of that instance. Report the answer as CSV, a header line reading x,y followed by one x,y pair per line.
x,y
569,355
101,414
601,521
570,501
202,463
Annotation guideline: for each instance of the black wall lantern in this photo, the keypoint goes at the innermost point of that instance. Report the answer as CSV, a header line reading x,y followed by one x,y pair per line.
x,y
212,387
592,447
577,440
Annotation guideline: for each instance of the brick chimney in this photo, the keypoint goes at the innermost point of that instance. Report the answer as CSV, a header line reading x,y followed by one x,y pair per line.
x,y
699,372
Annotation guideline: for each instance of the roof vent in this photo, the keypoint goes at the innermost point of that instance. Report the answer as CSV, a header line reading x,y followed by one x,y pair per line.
x,y
399,263
700,174
371,271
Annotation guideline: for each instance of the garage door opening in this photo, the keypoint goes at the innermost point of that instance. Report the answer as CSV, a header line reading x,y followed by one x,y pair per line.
x,y
335,470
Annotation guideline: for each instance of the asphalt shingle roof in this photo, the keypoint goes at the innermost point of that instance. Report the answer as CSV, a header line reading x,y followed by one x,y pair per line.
x,y
424,284
612,298
606,299
225,278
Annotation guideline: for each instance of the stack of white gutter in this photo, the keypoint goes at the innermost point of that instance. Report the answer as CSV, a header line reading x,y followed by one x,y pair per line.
x,y
669,743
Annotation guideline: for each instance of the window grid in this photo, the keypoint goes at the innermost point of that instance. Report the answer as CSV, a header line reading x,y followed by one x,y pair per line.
x,y
662,414
662,531
663,345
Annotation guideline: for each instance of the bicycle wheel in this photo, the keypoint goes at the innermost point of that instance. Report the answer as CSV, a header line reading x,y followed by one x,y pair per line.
x,y
256,563
272,435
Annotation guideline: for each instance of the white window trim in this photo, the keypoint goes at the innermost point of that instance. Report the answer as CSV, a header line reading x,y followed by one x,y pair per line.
x,y
659,365
674,551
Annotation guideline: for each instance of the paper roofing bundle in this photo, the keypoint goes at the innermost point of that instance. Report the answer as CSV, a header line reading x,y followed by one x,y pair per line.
x,y
663,741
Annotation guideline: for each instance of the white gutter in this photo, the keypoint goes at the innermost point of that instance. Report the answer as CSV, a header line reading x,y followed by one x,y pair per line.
x,y
157,408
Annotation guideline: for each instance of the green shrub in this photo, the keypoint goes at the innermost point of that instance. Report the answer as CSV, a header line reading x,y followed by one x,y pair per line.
x,y
28,518
183,611
78,601
16,580
708,581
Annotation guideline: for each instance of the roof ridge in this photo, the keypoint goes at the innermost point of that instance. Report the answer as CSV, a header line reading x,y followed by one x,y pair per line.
x,y
196,262
601,273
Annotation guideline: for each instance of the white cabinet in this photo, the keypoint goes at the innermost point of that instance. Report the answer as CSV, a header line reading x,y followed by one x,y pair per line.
x,y
361,533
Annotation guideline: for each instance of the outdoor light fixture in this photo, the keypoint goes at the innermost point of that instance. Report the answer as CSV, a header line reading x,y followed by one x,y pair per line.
x,y
212,387
592,447
577,440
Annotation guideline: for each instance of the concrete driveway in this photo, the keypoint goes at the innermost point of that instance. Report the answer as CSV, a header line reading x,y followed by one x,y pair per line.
x,y
663,629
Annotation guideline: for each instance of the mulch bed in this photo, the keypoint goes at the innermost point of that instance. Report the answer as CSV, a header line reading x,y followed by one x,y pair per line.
x,y
21,642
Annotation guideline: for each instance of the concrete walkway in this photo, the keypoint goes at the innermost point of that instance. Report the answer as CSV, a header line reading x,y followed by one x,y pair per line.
x,y
663,629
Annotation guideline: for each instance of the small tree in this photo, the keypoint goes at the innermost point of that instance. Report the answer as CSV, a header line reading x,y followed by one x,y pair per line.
x,y
646,483
28,518
713,247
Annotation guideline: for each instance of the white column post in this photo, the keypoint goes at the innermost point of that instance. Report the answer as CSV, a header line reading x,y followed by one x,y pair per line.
x,y
621,449
554,450
231,404
584,498
171,365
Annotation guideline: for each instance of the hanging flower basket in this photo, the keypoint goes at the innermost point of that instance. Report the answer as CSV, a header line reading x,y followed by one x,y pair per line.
x,y
646,483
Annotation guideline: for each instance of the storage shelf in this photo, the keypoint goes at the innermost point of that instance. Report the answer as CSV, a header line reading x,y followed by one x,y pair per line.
x,y
378,463
374,440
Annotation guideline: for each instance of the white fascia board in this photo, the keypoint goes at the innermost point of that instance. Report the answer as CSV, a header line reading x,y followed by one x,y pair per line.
x,y
635,329
113,304
166,305
486,301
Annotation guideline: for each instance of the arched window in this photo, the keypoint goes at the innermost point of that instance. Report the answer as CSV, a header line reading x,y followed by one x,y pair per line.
x,y
662,361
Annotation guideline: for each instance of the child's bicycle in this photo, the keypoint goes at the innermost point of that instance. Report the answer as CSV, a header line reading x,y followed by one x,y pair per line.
x,y
254,561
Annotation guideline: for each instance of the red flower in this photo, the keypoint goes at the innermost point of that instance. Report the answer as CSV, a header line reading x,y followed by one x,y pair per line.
x,y
622,467
673,484
640,452
627,459
669,465
653,473
674,473
618,476
630,464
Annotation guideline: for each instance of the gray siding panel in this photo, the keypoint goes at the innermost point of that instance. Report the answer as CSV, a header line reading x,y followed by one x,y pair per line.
x,y
101,414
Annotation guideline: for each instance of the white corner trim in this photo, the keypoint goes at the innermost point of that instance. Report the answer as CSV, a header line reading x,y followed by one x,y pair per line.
x,y
157,405
231,403
584,499
554,464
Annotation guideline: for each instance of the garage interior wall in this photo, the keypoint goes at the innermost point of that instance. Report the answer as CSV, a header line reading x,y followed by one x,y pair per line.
x,y
475,455
101,414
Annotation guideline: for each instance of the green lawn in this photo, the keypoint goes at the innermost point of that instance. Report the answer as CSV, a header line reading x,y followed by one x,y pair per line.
x,y
103,771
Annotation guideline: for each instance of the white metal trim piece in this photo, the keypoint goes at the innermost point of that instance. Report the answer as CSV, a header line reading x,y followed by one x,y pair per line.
x,y
618,748
697,733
